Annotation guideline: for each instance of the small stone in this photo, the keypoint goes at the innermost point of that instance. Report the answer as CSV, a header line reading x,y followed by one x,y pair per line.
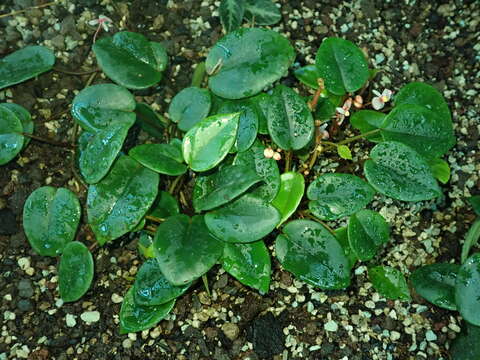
x,y
24,305
331,326
90,316
8,315
430,336
394,335
25,289
24,263
127,343
155,333
70,320
230,330
117,299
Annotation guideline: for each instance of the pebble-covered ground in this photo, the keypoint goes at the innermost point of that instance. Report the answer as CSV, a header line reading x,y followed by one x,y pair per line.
x,y
432,41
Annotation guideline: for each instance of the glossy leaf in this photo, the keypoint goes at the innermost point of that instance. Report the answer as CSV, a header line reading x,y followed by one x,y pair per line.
x,y
368,120
290,122
98,106
165,205
134,317
398,171
326,106
466,345
162,158
334,196
152,288
267,169
308,75
185,249
262,12
150,121
130,59
11,138
189,107
313,254
244,220
121,199
341,65
251,59
467,288
436,284
471,239
50,219
292,187
102,150
231,14
341,235
261,103
25,64
248,263
475,203
389,282
440,169
344,152
211,191
367,232
25,118
420,128
145,245
75,273
208,142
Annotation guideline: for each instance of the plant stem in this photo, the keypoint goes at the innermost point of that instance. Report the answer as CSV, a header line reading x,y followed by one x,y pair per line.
x,y
288,160
13,13
205,283
154,219
174,184
93,247
151,228
74,72
313,104
310,216
198,74
65,146
358,137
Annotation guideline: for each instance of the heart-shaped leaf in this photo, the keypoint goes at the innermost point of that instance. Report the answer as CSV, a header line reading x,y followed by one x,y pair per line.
x,y
334,196
327,106
292,187
341,65
311,252
261,103
75,273
389,282
11,138
162,158
467,288
152,288
290,122
98,106
231,14
145,245
308,75
248,263
341,235
251,59
165,205
101,151
208,142
189,107
50,219
25,118
440,169
25,64
150,121
398,171
245,220
368,120
130,59
466,345
211,191
420,128
121,199
262,12
266,168
185,249
134,317
436,284
367,232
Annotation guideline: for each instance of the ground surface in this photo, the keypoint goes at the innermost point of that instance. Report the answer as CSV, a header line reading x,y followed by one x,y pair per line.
x,y
435,42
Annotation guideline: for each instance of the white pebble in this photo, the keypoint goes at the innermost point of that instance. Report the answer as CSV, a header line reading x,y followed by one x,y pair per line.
x,y
331,326
70,320
90,316
430,336
117,299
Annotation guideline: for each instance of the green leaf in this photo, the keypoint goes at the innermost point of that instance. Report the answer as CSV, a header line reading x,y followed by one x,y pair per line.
x,y
389,282
11,138
367,232
344,152
290,122
475,203
130,59
145,245
150,121
134,317
308,75
334,196
326,106
248,263
436,284
420,128
245,61
245,220
50,219
267,169
368,120
185,249
152,288
25,118
121,199
471,239
75,273
25,64
262,12
466,345
341,235
207,143
311,252
440,169
398,171
211,191
467,288
292,187
261,103
101,151
341,65
162,158
98,106
189,107
231,14
165,205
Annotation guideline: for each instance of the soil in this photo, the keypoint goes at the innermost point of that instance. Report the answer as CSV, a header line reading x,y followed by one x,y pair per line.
x,y
431,41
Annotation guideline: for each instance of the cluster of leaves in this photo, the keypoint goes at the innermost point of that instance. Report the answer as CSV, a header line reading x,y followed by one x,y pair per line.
x,y
259,12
